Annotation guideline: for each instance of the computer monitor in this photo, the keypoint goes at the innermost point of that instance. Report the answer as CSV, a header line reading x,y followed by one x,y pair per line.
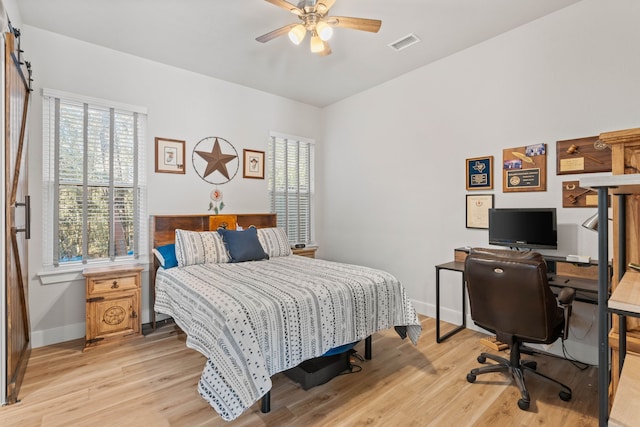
x,y
523,228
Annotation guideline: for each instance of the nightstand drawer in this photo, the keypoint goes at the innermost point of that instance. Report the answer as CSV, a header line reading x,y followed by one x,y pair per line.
x,y
111,284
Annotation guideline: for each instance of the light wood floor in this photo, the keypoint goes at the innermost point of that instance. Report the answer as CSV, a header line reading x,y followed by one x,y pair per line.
x,y
152,382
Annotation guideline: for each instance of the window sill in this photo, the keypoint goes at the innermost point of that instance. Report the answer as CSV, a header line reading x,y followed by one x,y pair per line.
x,y
68,274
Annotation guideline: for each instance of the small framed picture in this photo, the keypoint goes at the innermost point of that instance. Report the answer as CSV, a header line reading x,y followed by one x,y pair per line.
x,y
170,155
478,206
480,173
253,164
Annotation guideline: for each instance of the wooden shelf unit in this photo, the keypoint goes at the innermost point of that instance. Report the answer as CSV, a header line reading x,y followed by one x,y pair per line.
x,y
624,284
625,301
624,412
625,155
626,296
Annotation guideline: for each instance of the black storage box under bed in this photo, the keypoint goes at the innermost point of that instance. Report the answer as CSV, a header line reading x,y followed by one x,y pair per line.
x,y
319,370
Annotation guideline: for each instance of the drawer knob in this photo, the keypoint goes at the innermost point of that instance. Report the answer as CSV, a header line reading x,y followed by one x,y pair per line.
x,y
115,285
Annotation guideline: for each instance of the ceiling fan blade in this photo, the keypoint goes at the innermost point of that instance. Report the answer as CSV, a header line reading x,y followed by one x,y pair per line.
x,y
275,33
323,6
286,5
326,51
362,24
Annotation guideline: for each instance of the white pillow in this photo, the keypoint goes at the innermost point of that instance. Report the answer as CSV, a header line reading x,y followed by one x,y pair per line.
x,y
200,247
274,241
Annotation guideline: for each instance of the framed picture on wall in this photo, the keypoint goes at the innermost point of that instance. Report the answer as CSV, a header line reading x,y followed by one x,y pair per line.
x,y
253,165
478,206
524,168
170,155
480,173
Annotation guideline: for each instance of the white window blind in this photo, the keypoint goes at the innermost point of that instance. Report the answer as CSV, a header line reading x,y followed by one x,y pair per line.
x,y
94,180
290,174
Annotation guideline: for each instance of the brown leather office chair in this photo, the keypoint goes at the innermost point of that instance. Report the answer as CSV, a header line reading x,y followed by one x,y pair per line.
x,y
510,296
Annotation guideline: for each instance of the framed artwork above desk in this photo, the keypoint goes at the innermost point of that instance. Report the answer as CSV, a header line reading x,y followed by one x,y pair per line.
x,y
477,210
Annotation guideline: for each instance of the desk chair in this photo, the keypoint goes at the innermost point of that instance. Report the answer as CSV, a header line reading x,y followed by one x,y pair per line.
x,y
509,296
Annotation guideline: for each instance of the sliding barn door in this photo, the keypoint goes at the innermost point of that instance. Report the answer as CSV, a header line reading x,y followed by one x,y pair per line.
x,y
18,343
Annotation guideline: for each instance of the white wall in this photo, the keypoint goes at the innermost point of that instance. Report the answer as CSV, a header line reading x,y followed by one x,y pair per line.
x,y
181,105
13,12
394,158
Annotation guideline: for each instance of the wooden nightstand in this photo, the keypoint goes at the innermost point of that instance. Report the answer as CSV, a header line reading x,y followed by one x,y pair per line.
x,y
309,252
113,304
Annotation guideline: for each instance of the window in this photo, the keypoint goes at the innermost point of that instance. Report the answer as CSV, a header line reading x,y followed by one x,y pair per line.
x,y
94,180
290,174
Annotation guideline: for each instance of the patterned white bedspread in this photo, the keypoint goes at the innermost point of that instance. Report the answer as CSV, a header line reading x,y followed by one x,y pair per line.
x,y
255,319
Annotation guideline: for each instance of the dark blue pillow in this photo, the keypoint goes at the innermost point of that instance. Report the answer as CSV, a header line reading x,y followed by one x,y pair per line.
x,y
166,255
243,245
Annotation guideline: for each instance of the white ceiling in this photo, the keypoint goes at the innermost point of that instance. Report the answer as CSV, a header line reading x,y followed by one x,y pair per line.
x,y
217,37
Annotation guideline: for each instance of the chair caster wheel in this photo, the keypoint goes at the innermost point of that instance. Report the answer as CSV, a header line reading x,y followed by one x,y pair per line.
x,y
566,396
471,378
481,359
523,404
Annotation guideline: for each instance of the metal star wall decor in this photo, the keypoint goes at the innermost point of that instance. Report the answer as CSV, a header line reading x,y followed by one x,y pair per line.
x,y
215,160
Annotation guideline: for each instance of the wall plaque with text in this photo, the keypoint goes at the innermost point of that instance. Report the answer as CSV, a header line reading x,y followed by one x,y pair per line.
x,y
524,168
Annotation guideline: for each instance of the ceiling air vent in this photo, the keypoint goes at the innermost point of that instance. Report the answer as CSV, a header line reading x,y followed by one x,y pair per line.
x,y
404,42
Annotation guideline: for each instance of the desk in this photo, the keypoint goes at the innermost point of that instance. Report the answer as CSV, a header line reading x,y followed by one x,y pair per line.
x,y
586,290
451,266
583,277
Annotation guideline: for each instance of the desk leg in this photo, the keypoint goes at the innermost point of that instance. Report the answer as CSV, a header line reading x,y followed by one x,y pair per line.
x,y
440,338
464,301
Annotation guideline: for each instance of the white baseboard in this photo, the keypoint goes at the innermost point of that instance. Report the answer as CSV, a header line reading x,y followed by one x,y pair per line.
x,y
446,314
44,337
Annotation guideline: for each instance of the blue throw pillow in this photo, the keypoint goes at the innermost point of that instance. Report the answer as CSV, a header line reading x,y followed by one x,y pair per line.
x,y
243,245
341,349
166,255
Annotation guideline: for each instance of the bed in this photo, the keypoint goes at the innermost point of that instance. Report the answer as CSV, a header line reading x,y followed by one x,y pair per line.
x,y
252,319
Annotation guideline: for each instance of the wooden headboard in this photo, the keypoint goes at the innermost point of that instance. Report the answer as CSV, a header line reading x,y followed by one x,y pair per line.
x,y
163,227
163,232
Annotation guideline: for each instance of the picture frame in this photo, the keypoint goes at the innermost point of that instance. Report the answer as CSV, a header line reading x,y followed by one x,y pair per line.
x,y
170,155
253,164
582,155
524,168
480,173
477,210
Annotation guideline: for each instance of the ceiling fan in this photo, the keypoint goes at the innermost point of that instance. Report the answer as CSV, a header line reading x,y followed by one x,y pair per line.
x,y
313,19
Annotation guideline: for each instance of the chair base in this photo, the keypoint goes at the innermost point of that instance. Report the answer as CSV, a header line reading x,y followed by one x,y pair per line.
x,y
517,368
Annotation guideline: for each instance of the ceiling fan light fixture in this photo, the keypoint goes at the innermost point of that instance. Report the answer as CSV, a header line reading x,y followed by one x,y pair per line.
x,y
317,45
325,31
314,18
297,33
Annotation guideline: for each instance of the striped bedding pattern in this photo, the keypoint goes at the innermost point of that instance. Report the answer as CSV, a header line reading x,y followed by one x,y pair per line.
x,y
254,319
